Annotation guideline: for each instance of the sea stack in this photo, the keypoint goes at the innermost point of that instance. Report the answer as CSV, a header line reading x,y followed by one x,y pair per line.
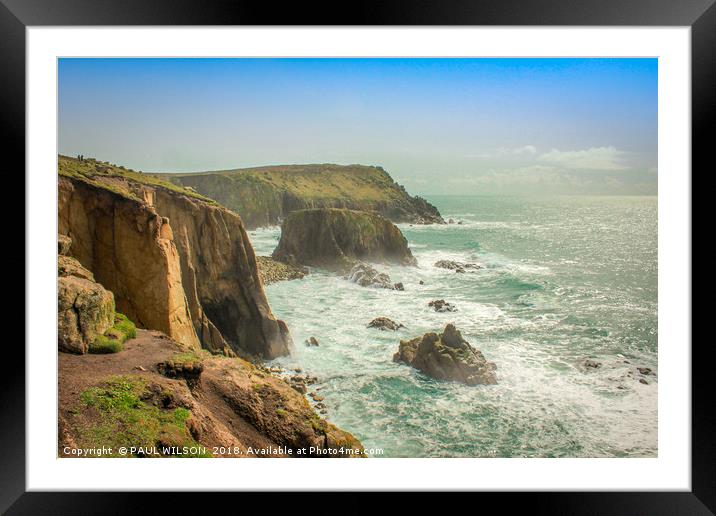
x,y
336,239
447,356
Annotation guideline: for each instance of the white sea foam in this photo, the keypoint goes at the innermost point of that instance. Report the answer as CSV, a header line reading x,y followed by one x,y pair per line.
x,y
537,317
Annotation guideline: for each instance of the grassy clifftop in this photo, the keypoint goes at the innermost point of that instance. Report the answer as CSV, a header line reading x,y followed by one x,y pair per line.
x,y
114,177
265,195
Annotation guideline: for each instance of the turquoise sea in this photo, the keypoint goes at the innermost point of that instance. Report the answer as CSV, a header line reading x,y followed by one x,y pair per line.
x,y
565,279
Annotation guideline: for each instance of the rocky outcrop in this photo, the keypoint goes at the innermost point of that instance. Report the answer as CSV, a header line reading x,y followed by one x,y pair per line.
x,y
264,196
336,239
85,308
272,271
447,356
440,305
366,276
63,244
384,324
458,267
175,262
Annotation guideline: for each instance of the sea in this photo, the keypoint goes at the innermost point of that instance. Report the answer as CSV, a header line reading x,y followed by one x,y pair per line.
x,y
564,280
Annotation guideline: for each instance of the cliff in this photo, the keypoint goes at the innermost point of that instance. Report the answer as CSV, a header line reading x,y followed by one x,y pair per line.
x,y
336,239
176,261
264,196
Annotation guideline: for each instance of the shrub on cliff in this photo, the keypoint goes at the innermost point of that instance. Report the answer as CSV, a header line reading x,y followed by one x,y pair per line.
x,y
112,341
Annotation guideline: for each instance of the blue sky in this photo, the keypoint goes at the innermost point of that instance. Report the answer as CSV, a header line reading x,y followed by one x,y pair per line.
x,y
437,125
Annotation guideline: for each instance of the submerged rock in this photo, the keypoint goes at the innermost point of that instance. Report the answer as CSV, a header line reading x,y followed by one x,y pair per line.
x,y
311,341
447,356
440,305
384,324
336,239
591,364
457,266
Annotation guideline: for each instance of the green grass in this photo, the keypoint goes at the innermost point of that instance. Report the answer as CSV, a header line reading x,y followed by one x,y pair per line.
x,y
318,181
125,420
93,171
113,339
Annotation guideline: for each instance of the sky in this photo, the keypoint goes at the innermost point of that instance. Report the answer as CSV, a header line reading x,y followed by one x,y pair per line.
x,y
437,125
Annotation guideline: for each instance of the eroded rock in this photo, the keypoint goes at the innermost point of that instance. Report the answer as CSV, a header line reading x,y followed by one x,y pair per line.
x,y
63,244
335,239
447,356
366,276
458,267
85,308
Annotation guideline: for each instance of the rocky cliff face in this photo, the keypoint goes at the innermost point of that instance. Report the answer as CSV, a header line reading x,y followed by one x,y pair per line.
x,y
335,239
266,195
175,262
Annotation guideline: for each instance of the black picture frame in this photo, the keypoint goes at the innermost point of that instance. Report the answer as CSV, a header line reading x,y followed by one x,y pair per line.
x,y
17,15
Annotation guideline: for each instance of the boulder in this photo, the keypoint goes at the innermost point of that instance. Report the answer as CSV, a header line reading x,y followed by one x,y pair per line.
x,y
384,324
335,239
447,356
85,311
440,305
68,266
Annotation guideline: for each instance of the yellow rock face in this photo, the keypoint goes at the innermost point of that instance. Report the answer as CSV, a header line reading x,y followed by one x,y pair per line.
x,y
175,264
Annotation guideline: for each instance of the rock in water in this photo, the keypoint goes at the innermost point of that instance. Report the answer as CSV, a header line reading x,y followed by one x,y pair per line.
x,y
456,266
383,323
447,356
440,305
312,341
85,308
336,239
367,276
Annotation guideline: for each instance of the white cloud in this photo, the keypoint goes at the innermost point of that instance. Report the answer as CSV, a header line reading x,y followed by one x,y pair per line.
x,y
594,158
518,151
525,150
531,175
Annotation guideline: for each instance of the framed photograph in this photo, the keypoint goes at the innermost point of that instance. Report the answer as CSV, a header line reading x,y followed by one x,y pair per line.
x,y
447,246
